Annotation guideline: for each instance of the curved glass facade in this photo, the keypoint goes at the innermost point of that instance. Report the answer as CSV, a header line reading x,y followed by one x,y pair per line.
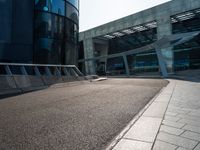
x,y
56,31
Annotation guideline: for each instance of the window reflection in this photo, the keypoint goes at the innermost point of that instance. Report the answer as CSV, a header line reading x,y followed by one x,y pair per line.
x,y
56,32
58,7
74,2
54,6
72,13
47,51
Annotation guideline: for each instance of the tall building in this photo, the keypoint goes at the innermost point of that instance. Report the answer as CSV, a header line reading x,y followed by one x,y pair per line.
x,y
39,31
139,30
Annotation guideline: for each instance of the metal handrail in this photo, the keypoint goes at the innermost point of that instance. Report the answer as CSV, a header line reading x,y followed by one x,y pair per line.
x,y
8,69
35,65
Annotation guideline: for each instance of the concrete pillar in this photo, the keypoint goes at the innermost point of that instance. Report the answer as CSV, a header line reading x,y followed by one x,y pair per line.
x,y
126,65
165,28
89,53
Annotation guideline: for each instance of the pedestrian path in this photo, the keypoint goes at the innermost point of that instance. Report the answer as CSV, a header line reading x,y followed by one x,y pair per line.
x,y
171,121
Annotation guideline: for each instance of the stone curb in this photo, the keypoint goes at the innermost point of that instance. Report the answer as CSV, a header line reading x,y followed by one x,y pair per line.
x,y
154,110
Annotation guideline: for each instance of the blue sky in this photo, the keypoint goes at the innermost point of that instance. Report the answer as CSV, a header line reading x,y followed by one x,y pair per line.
x,y
97,12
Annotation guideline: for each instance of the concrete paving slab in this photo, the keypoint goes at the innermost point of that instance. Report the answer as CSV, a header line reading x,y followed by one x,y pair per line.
x,y
170,118
197,147
177,140
171,130
173,124
157,109
190,122
181,148
191,135
192,128
163,98
171,114
125,144
144,129
159,145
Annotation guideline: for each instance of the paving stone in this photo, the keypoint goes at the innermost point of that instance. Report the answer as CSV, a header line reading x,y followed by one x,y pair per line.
x,y
177,140
171,130
179,111
181,148
191,135
173,124
190,122
159,145
171,114
170,118
125,144
192,128
163,98
197,147
196,118
145,129
195,113
157,109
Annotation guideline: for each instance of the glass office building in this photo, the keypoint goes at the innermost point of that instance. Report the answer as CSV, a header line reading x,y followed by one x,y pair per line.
x,y
39,31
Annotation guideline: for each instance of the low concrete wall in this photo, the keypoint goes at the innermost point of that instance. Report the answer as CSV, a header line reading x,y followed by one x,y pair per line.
x,y
16,84
49,80
70,79
29,83
8,86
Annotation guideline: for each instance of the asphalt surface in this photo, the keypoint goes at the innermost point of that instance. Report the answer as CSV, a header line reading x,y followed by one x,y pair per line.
x,y
80,116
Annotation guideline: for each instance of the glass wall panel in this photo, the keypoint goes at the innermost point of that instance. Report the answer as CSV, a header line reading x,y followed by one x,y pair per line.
x,y
54,6
71,13
71,31
115,66
132,41
47,51
74,2
56,35
187,55
58,6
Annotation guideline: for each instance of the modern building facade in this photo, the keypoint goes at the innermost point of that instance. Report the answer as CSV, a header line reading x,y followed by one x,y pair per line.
x,y
139,30
39,31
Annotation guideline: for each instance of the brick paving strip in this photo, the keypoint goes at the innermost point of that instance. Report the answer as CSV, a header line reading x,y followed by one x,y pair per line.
x,y
171,121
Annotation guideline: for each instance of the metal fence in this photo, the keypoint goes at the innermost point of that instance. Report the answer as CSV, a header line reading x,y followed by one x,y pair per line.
x,y
39,69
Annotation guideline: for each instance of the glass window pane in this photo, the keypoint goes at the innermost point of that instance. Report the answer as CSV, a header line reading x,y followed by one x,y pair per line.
x,y
58,7
48,51
55,6
43,24
74,2
71,31
72,13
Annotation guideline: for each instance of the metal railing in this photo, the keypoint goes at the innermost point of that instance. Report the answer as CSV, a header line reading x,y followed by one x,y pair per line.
x,y
39,69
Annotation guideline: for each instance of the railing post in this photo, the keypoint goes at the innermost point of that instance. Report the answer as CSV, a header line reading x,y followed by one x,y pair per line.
x,y
8,71
66,72
23,70
47,71
37,72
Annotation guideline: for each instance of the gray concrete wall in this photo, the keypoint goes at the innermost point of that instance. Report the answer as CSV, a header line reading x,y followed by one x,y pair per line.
x,y
16,28
172,7
89,53
160,13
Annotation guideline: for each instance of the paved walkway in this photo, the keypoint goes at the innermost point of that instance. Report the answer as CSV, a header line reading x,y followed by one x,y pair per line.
x,y
170,122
